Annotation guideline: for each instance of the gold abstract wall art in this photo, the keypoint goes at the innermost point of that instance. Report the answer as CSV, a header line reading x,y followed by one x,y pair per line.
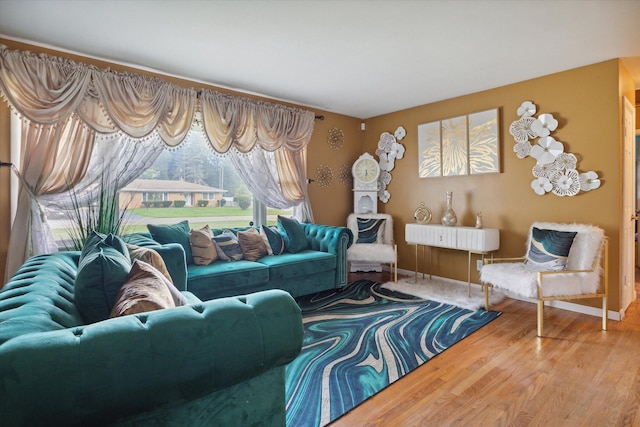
x,y
461,145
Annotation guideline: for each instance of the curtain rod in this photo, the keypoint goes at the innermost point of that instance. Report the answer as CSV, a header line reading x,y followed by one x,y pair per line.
x,y
317,117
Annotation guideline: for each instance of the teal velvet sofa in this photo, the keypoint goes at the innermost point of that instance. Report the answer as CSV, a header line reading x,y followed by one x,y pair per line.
x,y
321,266
213,363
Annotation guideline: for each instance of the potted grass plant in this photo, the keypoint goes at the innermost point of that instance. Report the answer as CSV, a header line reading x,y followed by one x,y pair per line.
x,y
96,209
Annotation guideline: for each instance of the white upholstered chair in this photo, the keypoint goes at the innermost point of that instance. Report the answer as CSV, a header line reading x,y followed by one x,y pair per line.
x,y
377,230
585,274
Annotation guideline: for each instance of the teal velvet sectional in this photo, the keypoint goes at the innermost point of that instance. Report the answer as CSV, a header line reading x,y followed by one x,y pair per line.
x,y
321,266
213,363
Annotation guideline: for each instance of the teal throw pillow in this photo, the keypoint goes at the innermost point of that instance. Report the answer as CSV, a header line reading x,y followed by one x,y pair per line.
x,y
112,240
295,239
228,247
549,249
176,233
276,241
369,229
101,273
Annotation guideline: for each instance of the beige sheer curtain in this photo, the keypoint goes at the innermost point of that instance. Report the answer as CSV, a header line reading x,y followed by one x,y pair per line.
x,y
250,130
65,105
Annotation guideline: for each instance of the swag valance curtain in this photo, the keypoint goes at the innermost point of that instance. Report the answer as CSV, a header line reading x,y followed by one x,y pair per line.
x,y
65,106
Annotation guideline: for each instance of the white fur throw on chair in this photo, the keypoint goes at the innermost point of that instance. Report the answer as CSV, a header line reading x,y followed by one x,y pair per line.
x,y
522,279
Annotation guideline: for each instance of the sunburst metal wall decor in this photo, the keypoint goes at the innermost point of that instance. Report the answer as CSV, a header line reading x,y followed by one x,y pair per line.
x,y
335,138
344,176
324,176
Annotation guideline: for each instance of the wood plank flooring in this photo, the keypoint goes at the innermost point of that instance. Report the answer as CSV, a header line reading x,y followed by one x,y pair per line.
x,y
504,375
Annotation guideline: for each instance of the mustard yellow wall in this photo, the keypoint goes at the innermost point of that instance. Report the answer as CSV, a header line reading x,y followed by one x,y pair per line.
x,y
586,102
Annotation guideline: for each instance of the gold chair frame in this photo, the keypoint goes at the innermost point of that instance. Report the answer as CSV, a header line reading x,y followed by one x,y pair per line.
x,y
602,257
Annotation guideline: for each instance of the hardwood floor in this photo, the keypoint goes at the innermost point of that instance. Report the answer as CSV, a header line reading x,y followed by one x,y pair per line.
x,y
503,374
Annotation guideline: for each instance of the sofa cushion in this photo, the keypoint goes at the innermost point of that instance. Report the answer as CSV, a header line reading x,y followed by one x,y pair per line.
x,y
549,249
145,289
176,233
276,240
253,247
300,264
101,273
207,281
227,246
370,229
203,249
295,238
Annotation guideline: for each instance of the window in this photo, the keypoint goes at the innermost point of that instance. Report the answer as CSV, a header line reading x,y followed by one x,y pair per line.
x,y
154,196
228,203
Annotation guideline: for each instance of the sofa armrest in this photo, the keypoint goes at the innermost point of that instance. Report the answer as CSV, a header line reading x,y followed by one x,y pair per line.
x,y
172,254
124,366
334,240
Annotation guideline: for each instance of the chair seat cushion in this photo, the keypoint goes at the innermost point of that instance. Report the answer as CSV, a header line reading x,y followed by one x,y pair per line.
x,y
371,252
521,279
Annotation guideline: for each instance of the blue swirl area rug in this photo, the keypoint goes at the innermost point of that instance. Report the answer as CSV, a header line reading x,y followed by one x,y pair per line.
x,y
360,340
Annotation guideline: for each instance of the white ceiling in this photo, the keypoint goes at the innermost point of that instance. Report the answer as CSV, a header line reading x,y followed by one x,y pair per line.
x,y
359,58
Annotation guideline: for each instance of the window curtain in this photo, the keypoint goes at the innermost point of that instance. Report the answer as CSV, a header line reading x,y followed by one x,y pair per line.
x,y
66,105
267,145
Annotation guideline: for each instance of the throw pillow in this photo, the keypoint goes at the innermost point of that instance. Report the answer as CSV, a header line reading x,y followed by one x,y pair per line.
x,y
202,248
295,239
176,233
144,290
276,241
95,238
150,256
370,230
228,246
101,273
252,245
265,239
549,249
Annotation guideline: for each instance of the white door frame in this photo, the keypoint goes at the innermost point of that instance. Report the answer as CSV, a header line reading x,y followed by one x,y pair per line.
x,y
629,217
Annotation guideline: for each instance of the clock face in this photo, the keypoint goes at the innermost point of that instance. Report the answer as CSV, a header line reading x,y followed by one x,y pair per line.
x,y
366,170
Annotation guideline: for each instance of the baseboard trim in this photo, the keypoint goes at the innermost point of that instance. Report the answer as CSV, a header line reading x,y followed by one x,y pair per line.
x,y
564,305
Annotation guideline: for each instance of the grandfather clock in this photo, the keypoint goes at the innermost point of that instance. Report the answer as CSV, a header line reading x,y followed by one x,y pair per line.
x,y
365,171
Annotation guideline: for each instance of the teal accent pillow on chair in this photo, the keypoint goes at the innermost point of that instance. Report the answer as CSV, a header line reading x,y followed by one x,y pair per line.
x,y
549,249
101,273
369,229
176,233
295,239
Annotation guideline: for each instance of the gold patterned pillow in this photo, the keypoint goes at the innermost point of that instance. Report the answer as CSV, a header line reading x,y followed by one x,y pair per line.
x,y
144,290
202,248
149,256
252,244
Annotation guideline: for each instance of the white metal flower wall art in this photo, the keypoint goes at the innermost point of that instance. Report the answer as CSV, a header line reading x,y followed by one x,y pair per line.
x,y
555,170
389,150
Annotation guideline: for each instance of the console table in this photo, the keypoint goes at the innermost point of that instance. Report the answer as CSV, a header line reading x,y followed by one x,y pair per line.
x,y
473,240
